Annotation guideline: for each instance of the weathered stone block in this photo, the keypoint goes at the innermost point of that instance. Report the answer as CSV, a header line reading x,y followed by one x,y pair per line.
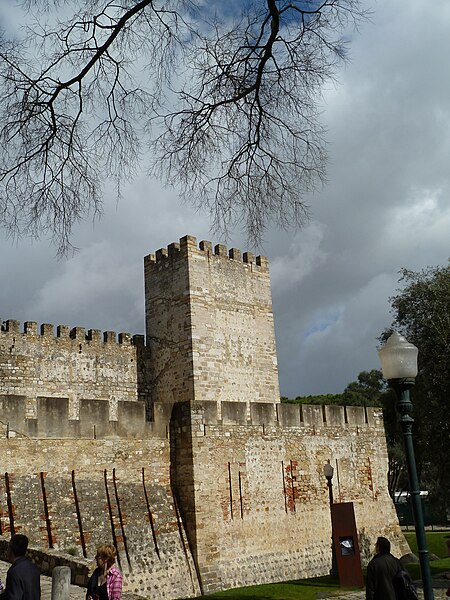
x,y
263,413
234,412
289,415
356,415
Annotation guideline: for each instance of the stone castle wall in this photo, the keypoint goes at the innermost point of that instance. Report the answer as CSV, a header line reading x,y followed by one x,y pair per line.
x,y
76,368
77,494
215,501
259,498
178,449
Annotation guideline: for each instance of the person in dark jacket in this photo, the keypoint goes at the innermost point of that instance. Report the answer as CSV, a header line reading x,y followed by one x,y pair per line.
x,y
380,572
23,580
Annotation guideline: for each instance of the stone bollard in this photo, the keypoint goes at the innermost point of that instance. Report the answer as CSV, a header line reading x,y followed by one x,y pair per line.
x,y
61,583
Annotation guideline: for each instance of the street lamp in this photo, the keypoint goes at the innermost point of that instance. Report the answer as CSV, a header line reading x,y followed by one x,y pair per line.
x,y
399,365
328,472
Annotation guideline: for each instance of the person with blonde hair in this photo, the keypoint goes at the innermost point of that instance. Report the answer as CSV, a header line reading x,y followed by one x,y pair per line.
x,y
105,582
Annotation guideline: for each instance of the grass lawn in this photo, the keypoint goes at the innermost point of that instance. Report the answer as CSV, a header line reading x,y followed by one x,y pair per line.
x,y
308,589
436,567
436,542
301,589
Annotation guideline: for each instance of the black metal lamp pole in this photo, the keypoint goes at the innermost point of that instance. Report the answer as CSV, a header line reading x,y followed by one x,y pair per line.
x,y
399,363
330,488
328,472
404,408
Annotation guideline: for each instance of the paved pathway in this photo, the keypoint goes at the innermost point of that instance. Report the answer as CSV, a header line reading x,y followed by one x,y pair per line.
x,y
76,593
79,593
439,588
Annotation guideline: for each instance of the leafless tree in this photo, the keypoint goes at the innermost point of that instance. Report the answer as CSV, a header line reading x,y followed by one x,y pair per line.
x,y
228,104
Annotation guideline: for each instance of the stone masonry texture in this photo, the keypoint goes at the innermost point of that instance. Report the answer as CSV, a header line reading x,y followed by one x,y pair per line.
x,y
176,447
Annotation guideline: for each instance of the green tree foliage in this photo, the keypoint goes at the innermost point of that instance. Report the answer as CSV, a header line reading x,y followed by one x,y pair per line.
x,y
366,391
422,314
314,399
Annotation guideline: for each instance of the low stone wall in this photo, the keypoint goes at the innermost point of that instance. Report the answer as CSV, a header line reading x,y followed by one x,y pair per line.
x,y
47,561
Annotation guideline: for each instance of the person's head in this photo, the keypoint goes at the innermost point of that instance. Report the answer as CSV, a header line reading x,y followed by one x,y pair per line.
x,y
106,554
18,545
383,545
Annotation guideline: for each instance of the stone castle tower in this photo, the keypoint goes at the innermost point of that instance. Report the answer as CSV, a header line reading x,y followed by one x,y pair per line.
x,y
210,324
176,447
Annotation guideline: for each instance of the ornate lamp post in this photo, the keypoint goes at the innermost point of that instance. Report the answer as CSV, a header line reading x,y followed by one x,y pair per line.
x,y
328,472
399,365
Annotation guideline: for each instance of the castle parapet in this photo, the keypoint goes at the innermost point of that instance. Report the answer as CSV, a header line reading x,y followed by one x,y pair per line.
x,y
188,243
64,332
95,420
276,414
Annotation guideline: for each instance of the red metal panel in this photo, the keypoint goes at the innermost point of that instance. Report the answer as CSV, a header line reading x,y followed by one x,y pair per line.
x,y
345,538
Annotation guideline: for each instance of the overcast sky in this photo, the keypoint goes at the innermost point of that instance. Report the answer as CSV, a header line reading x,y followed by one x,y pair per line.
x,y
386,206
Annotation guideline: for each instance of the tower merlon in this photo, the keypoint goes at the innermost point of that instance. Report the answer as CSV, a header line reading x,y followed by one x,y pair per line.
x,y
94,335
124,338
47,329
78,333
12,326
220,250
63,331
205,246
30,328
173,249
109,337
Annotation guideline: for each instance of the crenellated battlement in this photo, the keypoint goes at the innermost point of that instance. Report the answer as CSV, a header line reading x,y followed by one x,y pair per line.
x,y
79,366
95,419
188,245
30,329
271,414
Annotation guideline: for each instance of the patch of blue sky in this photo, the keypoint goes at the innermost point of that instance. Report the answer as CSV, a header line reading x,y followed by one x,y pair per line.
x,y
236,8
322,322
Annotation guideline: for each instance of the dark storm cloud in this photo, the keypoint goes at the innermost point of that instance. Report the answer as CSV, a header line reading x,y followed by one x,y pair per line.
x,y
386,206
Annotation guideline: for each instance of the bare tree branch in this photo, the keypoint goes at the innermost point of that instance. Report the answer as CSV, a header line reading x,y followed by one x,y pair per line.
x,y
242,134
